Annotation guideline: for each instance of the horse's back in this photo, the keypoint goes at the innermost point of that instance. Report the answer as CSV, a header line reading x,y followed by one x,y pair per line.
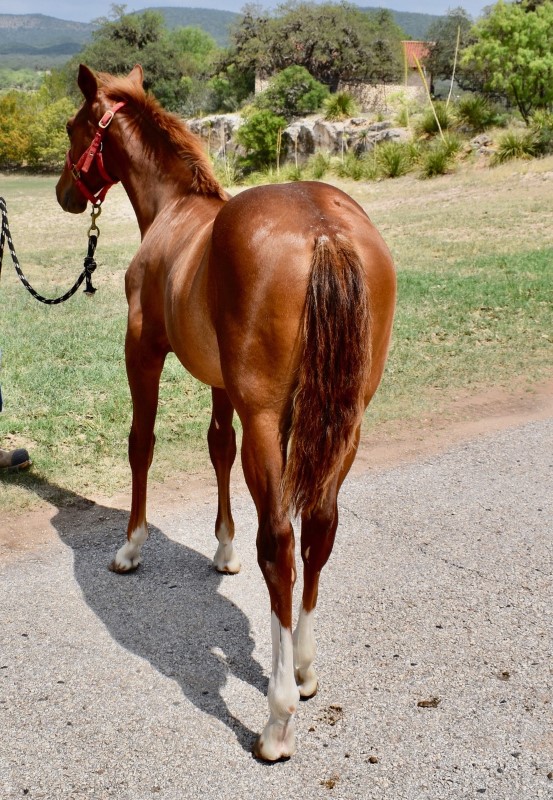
x,y
262,250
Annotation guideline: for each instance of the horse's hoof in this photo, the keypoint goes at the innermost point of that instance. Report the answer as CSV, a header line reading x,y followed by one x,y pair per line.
x,y
226,560
122,569
277,742
308,683
308,694
260,752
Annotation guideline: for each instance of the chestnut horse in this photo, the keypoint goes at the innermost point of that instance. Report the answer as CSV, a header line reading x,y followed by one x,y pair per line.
x,y
281,299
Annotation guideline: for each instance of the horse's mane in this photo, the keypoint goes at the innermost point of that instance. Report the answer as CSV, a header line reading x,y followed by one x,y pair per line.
x,y
167,126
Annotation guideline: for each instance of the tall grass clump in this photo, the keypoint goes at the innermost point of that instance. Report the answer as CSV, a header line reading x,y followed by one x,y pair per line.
x,y
227,169
340,106
541,128
438,117
515,144
475,112
394,159
439,156
350,167
318,165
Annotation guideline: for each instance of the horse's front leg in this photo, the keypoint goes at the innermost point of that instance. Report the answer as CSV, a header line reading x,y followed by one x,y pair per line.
x,y
222,450
144,366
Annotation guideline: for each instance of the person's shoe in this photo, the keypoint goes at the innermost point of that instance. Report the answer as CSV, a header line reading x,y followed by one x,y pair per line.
x,y
14,459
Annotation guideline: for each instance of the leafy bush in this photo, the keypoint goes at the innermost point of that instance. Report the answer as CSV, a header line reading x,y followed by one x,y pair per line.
x,y
292,93
260,135
33,133
429,124
515,144
340,106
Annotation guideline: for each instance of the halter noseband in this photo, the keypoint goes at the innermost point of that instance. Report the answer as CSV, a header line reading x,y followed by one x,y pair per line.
x,y
94,151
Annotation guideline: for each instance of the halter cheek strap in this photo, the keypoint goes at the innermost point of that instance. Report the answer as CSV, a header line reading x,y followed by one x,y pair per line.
x,y
91,154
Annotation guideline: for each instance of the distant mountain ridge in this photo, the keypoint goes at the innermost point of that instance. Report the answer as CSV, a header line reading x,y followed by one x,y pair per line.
x,y
41,40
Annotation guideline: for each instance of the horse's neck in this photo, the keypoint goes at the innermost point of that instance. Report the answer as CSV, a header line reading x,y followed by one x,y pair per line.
x,y
152,188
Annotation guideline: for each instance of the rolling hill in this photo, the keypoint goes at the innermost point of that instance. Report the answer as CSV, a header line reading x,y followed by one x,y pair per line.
x,y
37,40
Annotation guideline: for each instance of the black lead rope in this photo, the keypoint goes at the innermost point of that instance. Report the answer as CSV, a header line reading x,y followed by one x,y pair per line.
x,y
89,262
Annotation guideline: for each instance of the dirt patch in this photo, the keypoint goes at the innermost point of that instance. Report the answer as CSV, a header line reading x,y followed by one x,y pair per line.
x,y
461,419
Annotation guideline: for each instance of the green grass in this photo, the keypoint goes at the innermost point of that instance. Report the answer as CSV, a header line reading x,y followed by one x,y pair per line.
x,y
475,309
477,325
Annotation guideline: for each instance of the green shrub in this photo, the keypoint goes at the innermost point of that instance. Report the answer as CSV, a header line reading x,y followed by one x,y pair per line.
x,y
318,165
370,166
292,173
541,127
259,135
393,159
439,156
292,93
402,118
32,132
474,111
515,144
227,169
350,167
340,106
428,123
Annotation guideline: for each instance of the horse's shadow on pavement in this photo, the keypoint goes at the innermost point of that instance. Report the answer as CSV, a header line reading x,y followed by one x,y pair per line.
x,y
169,612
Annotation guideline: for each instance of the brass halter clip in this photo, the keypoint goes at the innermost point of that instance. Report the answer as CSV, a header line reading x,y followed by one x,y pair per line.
x,y
94,230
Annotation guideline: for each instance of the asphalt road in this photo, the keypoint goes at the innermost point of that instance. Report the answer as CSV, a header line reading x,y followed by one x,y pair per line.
x,y
152,685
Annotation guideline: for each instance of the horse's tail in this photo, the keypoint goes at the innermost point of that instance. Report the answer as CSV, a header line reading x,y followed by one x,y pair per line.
x,y
327,403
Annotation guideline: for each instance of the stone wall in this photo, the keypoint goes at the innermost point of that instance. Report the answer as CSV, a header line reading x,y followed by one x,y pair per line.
x,y
379,97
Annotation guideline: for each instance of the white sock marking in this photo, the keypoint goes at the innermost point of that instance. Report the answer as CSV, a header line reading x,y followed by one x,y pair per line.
x,y
304,654
278,738
128,556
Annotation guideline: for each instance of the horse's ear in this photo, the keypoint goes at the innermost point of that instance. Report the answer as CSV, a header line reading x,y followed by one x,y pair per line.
x,y
137,74
88,83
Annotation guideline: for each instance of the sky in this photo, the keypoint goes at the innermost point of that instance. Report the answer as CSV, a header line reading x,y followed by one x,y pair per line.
x,y
86,11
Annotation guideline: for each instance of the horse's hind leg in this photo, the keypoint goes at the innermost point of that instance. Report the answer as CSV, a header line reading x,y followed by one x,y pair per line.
x,y
318,531
221,439
144,367
263,461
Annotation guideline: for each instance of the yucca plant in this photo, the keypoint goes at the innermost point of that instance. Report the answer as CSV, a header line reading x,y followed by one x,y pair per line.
x,y
541,127
340,105
515,144
393,159
475,112
435,119
439,156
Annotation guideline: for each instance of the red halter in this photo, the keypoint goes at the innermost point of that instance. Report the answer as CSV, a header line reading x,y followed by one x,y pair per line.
x,y
86,160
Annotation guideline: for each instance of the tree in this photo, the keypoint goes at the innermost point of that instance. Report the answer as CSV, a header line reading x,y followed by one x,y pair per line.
x,y
333,42
176,63
443,36
33,129
513,53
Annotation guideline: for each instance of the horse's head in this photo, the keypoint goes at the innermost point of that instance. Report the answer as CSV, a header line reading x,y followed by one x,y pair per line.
x,y
90,168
